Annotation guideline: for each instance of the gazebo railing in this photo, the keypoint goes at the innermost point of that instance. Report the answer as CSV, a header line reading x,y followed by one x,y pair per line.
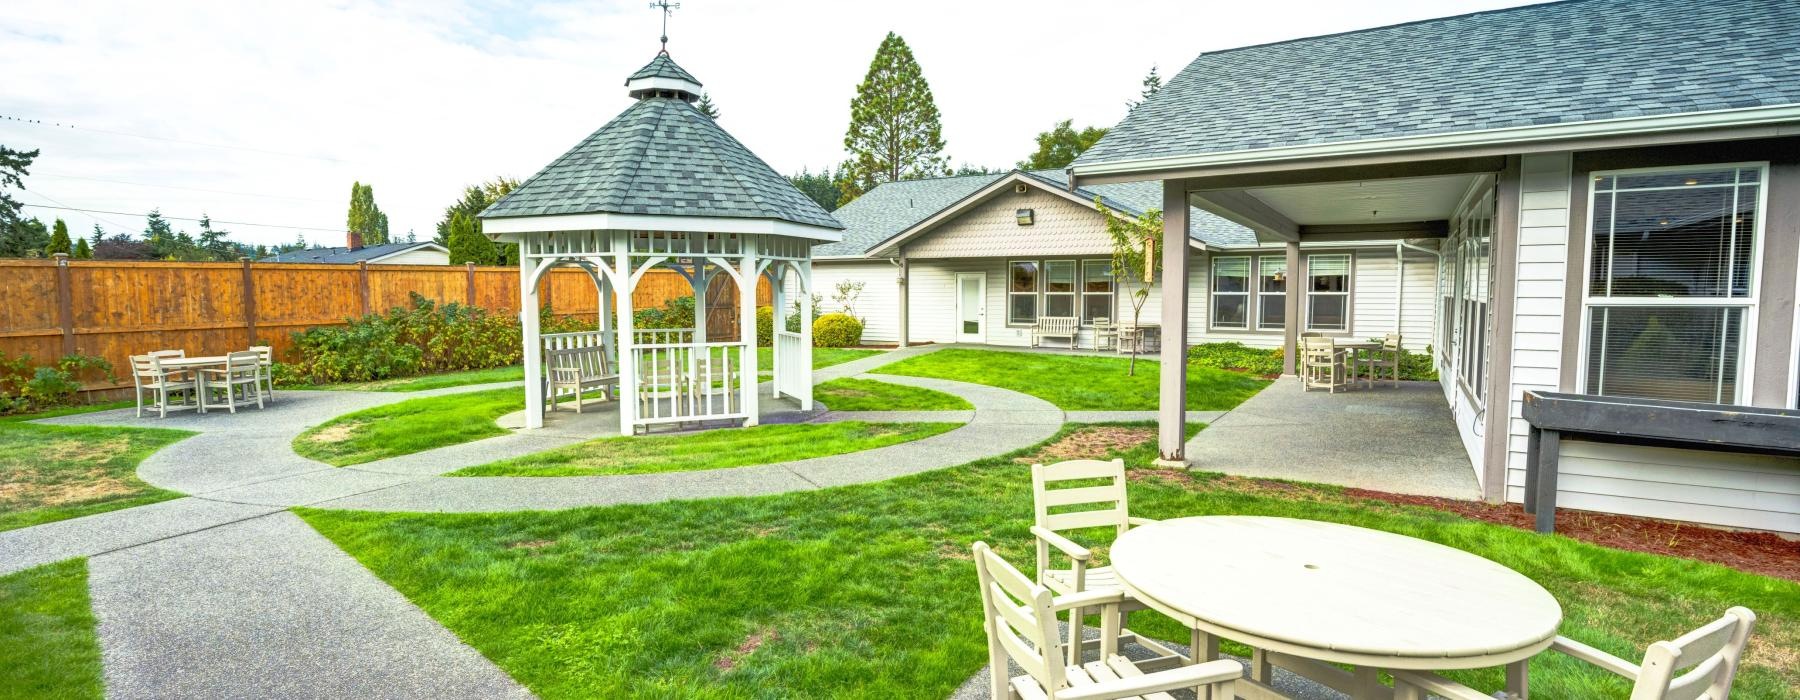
x,y
686,382
792,376
662,336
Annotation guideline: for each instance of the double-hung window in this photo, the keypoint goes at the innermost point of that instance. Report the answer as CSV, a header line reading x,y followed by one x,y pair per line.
x,y
1096,290
1671,284
1059,288
1231,293
1022,292
1328,292
1271,293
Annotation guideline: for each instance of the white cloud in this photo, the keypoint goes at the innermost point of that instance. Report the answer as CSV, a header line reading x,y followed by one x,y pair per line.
x,y
423,97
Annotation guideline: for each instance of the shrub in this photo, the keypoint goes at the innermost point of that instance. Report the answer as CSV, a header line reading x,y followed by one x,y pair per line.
x,y
424,338
25,387
677,312
1237,356
837,331
765,326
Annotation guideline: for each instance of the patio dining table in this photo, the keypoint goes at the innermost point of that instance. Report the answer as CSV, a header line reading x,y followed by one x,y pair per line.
x,y
195,364
1307,594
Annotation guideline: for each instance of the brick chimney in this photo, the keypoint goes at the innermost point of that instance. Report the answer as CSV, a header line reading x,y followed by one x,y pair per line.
x,y
353,240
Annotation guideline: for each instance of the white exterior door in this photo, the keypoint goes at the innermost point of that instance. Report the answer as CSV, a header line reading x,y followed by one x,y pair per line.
x,y
971,307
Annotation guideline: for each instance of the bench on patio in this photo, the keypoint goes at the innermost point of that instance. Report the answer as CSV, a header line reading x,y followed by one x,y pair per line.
x,y
577,370
1055,327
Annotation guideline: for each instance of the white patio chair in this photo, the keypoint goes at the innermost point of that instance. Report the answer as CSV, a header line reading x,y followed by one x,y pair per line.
x,y
1700,664
1105,334
238,382
148,375
266,363
1386,360
178,373
1322,365
1052,504
1020,619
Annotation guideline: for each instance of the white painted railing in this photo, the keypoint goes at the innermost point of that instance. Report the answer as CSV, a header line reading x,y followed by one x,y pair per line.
x,y
566,341
792,376
662,336
685,382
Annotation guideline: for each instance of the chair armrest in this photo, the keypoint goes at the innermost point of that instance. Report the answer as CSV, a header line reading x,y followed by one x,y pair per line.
x,y
1438,686
1134,522
1087,599
1162,681
1596,657
1075,551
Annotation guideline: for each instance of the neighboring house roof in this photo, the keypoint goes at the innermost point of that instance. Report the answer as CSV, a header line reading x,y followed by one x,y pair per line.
x,y
662,67
346,256
661,157
891,208
1549,64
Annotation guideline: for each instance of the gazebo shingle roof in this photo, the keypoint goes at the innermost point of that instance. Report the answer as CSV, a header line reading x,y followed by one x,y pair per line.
x,y
663,67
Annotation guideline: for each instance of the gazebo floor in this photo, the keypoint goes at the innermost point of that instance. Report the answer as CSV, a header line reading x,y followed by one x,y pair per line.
x,y
600,417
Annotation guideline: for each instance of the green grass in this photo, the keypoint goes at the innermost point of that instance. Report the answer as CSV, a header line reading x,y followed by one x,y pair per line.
x,y
867,591
872,395
57,472
47,643
821,357
430,381
712,449
1078,382
409,426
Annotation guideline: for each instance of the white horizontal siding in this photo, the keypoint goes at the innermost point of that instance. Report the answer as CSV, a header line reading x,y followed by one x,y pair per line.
x,y
1718,488
991,229
879,304
1541,262
1372,303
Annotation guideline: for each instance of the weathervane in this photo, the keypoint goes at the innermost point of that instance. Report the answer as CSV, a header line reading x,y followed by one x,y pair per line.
x,y
667,8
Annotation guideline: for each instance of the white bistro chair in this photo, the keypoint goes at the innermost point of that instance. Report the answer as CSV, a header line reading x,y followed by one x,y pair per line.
x,y
237,382
266,362
169,389
1020,620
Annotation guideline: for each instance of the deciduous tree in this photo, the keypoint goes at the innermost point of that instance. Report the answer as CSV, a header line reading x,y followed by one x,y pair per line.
x,y
894,132
1058,147
1135,264
366,218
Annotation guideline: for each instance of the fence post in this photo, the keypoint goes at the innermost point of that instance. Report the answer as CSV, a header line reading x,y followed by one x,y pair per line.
x,y
362,270
249,301
471,266
65,303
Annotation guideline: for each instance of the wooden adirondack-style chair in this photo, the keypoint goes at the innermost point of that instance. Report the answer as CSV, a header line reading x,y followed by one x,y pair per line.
x,y
1698,665
1020,619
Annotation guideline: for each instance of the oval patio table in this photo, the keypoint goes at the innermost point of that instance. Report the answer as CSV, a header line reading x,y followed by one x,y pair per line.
x,y
1308,594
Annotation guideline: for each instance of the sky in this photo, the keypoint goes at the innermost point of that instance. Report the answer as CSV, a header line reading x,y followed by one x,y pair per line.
x,y
263,114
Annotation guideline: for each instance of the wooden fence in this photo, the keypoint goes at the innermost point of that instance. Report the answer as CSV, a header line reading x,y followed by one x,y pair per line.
x,y
114,309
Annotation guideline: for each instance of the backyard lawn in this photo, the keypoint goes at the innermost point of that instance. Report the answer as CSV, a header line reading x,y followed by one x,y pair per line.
x,y
1079,382
868,591
47,643
409,426
56,472
712,449
821,357
872,395
490,375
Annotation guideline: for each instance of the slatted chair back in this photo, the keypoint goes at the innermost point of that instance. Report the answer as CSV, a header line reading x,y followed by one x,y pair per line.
x,y
1318,351
243,365
1699,664
1391,343
264,354
1059,507
168,353
1021,625
146,367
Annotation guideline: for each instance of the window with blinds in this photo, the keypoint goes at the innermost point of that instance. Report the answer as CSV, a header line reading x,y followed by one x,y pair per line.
x,y
1096,290
1328,292
1671,282
1231,293
1022,292
1271,293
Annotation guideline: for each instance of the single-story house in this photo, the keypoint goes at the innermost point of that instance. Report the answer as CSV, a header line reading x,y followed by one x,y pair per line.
x,y
1610,191
981,258
353,251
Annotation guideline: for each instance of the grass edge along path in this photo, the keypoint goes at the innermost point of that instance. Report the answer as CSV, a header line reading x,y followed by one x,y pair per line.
x,y
711,449
1079,382
867,590
57,472
853,394
422,382
48,647
409,426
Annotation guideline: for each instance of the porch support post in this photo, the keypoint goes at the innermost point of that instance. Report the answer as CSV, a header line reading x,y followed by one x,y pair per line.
x,y
1172,403
624,340
806,330
700,283
777,324
905,291
609,340
747,327
1290,328
531,344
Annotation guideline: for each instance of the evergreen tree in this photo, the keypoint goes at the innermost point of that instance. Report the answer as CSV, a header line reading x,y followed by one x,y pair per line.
x,y
894,129
467,244
365,217
1058,147
215,242
822,188
13,168
476,199
59,240
82,250
98,235
707,107
159,235
26,238
1152,85
971,169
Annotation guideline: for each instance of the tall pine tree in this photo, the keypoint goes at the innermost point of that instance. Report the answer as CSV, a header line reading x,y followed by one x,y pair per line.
x,y
1152,85
13,168
365,217
894,132
706,106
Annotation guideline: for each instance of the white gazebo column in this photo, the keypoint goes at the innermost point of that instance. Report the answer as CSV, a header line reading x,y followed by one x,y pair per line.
x,y
806,330
778,298
623,338
700,281
608,340
1172,402
747,276
532,344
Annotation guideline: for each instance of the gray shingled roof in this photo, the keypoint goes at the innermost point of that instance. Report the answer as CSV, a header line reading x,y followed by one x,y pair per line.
x,y
662,67
893,207
344,256
661,157
1541,64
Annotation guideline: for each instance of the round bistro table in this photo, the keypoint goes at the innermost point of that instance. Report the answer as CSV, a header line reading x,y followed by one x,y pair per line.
x,y
1307,594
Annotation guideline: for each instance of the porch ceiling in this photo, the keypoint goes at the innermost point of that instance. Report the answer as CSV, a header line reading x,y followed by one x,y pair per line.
x,y
1367,201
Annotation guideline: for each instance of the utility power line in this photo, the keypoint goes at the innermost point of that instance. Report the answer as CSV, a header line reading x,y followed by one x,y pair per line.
x,y
339,229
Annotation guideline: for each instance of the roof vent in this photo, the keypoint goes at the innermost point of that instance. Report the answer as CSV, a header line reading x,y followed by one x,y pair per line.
x,y
1020,188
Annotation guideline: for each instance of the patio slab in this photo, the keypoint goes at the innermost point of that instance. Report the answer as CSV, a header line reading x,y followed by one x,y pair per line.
x,y
1396,439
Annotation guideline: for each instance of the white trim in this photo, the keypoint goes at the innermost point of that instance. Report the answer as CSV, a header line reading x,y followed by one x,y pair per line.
x,y
1751,116
1287,286
977,197
506,229
1349,287
1037,292
1213,294
980,335
422,245
657,82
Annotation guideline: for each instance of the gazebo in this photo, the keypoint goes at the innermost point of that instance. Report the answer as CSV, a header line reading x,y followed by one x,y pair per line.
x,y
661,185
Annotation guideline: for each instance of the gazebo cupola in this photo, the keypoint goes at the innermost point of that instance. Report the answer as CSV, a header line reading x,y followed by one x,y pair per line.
x,y
662,186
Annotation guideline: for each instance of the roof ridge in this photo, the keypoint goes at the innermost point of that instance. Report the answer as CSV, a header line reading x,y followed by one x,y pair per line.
x,y
713,134
1427,20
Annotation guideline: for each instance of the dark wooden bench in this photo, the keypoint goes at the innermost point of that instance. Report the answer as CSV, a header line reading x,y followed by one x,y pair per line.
x,y
1684,424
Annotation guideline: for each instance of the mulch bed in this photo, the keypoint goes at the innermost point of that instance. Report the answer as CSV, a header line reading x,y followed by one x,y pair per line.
x,y
1763,553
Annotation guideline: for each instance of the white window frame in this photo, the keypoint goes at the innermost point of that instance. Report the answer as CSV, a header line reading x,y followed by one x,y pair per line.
x,y
1263,297
1074,293
1112,287
1746,361
1035,294
1213,293
1349,286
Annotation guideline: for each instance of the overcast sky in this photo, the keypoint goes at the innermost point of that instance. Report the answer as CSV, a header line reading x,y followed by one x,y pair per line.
x,y
264,113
